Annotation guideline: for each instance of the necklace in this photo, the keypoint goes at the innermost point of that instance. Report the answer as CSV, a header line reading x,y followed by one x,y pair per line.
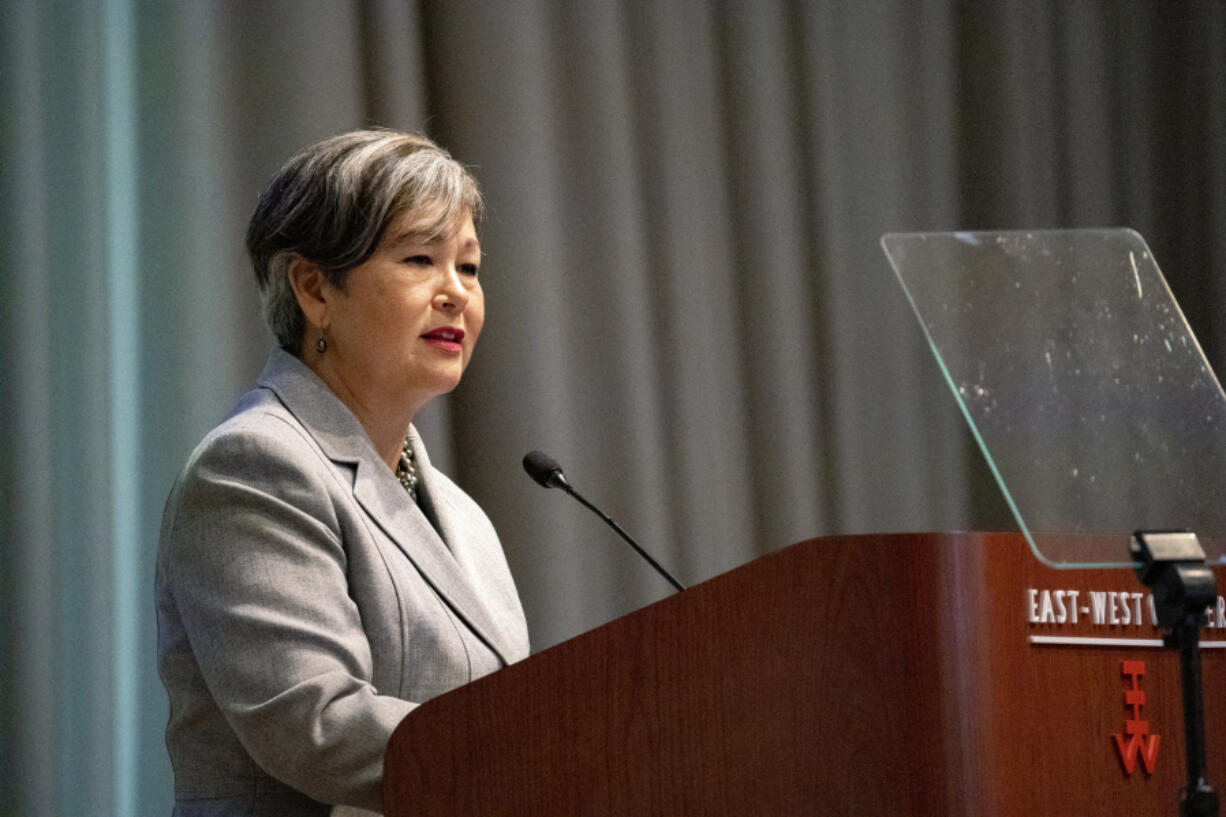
x,y
406,470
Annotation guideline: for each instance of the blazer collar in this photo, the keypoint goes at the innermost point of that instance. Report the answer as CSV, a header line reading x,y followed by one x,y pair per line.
x,y
343,440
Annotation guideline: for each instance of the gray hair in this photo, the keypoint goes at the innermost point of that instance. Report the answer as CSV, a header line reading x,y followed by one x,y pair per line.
x,y
334,200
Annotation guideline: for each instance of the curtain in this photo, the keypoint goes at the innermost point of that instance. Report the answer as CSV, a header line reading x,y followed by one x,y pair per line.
x,y
687,304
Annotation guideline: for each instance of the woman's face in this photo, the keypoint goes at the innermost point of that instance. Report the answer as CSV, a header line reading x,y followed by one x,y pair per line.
x,y
404,328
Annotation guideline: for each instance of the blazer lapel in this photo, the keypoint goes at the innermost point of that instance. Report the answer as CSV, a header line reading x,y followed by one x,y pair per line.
x,y
383,497
377,490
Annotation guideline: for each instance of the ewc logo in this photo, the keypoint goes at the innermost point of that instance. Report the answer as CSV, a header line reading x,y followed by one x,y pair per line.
x,y
1139,741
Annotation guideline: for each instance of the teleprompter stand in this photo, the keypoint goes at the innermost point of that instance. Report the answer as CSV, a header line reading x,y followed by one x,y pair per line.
x,y
1172,565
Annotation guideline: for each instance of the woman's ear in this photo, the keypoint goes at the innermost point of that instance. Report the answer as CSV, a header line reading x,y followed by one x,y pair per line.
x,y
310,288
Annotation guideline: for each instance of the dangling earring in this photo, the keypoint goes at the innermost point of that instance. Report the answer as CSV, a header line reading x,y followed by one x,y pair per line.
x,y
321,345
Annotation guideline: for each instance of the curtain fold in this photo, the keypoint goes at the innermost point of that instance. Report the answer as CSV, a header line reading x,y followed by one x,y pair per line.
x,y
687,303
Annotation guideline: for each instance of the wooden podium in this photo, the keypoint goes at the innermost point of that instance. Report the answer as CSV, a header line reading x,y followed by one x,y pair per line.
x,y
926,674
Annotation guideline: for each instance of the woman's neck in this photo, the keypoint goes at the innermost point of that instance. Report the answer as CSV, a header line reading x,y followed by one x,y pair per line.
x,y
385,420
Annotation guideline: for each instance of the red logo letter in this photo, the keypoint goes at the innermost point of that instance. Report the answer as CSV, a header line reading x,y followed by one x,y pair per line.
x,y
1139,741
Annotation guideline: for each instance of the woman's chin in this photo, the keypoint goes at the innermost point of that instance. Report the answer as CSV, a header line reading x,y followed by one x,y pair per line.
x,y
439,385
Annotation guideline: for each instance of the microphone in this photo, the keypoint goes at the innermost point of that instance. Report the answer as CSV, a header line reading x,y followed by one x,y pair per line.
x,y
545,470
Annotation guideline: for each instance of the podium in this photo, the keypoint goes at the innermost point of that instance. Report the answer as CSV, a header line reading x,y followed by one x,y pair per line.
x,y
912,674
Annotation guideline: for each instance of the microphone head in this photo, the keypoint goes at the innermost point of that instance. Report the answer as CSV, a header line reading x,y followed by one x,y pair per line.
x,y
544,469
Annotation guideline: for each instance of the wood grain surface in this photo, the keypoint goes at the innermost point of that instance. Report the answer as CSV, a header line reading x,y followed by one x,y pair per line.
x,y
860,675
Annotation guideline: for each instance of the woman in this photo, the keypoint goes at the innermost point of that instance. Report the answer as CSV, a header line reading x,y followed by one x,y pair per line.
x,y
316,577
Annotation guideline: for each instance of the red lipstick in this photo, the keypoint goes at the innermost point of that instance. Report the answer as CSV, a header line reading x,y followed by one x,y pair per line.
x,y
445,338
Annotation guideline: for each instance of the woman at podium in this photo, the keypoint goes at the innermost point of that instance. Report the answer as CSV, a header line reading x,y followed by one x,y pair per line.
x,y
317,577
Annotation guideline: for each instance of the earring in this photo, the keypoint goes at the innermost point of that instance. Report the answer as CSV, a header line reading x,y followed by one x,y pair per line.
x,y
321,345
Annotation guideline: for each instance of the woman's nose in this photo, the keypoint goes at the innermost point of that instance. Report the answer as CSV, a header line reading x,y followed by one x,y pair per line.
x,y
452,294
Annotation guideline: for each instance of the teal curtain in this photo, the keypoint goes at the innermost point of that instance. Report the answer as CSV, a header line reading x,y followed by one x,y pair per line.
x,y
687,304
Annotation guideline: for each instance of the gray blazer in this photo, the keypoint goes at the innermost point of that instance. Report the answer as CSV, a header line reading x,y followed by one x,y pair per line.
x,y
305,604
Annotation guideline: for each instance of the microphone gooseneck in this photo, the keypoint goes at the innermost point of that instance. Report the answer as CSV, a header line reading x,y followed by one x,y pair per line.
x,y
546,472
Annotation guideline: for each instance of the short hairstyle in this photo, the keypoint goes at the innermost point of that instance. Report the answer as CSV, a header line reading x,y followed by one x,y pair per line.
x,y
332,203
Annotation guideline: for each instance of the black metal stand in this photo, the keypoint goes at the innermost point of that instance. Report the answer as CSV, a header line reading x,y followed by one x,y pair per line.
x,y
1172,565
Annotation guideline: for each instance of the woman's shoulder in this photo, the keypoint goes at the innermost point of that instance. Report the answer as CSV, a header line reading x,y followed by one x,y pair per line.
x,y
256,461
260,417
260,444
258,426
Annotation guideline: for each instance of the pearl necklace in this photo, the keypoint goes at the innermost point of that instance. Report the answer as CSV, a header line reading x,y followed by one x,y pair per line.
x,y
406,470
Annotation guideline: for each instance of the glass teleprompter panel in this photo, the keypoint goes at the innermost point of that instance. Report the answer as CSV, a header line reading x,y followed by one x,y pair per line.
x,y
1082,383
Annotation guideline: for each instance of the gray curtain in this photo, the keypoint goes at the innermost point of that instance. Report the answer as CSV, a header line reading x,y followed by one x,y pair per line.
x,y
687,302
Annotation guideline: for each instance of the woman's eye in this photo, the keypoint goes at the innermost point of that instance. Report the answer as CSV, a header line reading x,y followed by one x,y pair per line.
x,y
419,260
469,269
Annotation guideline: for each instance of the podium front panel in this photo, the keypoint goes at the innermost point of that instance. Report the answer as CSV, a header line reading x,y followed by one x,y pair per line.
x,y
920,674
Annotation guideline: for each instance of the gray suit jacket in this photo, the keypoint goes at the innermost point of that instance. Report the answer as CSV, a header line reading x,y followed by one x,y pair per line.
x,y
305,604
